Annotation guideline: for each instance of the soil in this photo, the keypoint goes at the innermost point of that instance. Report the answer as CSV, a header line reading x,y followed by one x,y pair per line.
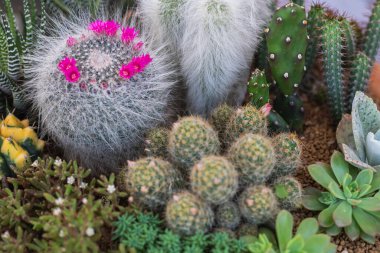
x,y
319,144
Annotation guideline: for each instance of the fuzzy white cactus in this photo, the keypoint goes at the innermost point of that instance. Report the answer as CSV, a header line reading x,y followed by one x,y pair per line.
x,y
215,41
117,88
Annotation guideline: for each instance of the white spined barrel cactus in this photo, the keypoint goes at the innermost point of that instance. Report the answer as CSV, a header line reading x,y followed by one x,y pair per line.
x,y
98,87
215,41
358,134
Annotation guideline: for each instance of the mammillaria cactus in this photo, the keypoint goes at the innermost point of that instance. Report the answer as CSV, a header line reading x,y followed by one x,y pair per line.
x,y
220,118
254,158
358,135
247,229
214,179
228,215
151,181
99,88
157,142
288,153
351,202
288,192
187,214
190,139
286,38
247,119
258,204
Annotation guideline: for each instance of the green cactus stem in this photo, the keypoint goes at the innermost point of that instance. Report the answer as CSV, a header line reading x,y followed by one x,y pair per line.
x,y
291,108
287,41
332,45
372,36
277,123
258,88
299,2
350,39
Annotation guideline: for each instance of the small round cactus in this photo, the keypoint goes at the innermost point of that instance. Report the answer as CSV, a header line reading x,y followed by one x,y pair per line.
x,y
247,230
191,139
288,153
157,142
214,179
254,157
289,192
247,119
220,118
258,204
226,231
151,181
228,215
187,214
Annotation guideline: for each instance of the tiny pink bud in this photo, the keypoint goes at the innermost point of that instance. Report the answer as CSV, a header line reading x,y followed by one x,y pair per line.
x,y
131,164
130,199
144,189
71,41
265,109
176,198
249,202
194,211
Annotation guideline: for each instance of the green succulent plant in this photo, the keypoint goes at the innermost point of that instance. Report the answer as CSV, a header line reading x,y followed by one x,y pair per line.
x,y
358,134
350,202
305,240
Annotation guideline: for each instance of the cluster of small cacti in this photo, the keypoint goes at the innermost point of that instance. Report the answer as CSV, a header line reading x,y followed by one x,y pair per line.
x,y
249,180
19,144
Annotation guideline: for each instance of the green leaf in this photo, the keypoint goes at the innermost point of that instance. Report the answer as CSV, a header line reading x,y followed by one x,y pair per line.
x,y
333,230
375,185
308,227
367,238
368,223
296,244
364,190
343,214
336,191
317,242
347,179
370,204
284,229
325,217
310,200
322,174
331,248
364,177
49,197
339,166
353,230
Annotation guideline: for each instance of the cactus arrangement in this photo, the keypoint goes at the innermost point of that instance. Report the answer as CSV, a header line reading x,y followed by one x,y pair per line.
x,y
99,88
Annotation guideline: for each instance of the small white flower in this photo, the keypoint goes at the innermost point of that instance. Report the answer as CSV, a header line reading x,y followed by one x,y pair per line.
x,y
57,211
59,201
90,231
5,235
70,180
84,201
111,188
35,164
58,162
83,185
61,233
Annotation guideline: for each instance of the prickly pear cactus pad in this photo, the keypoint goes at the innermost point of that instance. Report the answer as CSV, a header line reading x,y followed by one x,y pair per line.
x,y
187,214
287,41
98,87
19,144
258,88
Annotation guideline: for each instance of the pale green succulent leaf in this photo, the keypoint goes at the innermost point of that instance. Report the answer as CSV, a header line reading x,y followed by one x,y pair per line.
x,y
367,222
331,248
352,231
364,190
308,227
310,200
325,217
368,238
322,174
296,244
370,204
333,230
339,166
343,214
336,191
317,242
284,229
364,177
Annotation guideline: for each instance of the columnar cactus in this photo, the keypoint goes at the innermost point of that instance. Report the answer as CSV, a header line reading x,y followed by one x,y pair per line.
x,y
151,181
286,38
187,214
288,153
332,45
349,37
254,157
98,89
372,35
258,88
157,142
214,179
258,204
228,215
220,118
247,119
190,139
288,192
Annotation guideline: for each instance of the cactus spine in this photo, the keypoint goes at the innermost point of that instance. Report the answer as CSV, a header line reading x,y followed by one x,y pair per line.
x,y
288,153
214,179
289,192
349,37
151,181
187,214
191,139
228,215
258,88
258,204
372,41
220,118
157,142
254,157
287,41
332,45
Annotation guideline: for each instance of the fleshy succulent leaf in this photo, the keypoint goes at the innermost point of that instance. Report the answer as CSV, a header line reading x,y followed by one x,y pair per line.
x,y
367,238
370,204
296,244
311,201
368,223
344,133
339,166
333,230
308,227
352,231
335,190
343,214
325,217
364,190
284,229
364,177
352,158
316,242
322,174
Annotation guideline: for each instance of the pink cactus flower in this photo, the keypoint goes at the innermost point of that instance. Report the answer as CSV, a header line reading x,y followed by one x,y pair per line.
x,y
97,27
111,27
128,34
71,41
140,63
73,75
265,109
127,71
138,46
67,64
146,60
